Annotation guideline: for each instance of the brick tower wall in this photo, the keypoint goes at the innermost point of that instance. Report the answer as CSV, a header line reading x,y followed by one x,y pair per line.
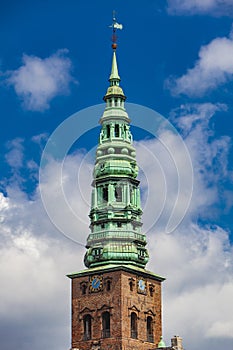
x,y
119,301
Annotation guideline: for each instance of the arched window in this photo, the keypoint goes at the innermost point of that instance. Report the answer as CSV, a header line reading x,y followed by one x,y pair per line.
x,y
106,324
149,329
133,325
87,327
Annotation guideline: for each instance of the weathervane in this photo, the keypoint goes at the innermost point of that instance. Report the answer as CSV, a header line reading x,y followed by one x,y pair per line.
x,y
114,27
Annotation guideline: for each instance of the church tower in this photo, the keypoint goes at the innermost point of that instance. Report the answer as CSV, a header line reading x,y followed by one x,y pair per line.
x,y
116,302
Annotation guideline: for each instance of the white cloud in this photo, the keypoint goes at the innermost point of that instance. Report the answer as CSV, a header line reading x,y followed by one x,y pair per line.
x,y
14,156
209,155
213,69
196,259
40,139
221,329
34,259
39,80
210,166
21,169
198,265
190,7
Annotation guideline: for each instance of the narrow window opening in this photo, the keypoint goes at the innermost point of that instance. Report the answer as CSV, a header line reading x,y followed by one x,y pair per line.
x,y
115,101
117,130
133,322
131,285
105,194
119,224
108,285
149,329
108,131
118,194
106,324
87,327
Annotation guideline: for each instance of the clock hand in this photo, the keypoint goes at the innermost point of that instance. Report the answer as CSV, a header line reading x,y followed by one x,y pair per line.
x,y
95,282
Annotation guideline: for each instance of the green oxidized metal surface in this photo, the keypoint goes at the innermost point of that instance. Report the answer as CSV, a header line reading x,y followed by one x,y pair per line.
x,y
161,343
115,214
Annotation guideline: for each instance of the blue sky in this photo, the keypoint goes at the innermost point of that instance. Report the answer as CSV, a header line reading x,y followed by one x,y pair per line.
x,y
175,57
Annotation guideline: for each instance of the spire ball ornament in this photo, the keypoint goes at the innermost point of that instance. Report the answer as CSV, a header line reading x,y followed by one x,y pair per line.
x,y
114,46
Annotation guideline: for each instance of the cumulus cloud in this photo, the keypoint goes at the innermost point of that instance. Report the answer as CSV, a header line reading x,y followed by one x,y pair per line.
x,y
39,80
191,259
213,68
209,160
199,250
209,155
190,7
196,258
68,185
34,259
35,256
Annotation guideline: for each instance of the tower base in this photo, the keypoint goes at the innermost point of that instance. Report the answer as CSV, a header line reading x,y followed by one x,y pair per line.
x,y
116,307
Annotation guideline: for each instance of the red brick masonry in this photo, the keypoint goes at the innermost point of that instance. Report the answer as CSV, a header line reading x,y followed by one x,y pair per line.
x,y
119,295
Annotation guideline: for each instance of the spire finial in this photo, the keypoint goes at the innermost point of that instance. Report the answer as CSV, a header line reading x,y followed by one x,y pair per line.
x,y
114,27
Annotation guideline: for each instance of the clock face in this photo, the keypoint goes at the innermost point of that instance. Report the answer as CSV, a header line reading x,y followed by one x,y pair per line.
x,y
141,285
95,283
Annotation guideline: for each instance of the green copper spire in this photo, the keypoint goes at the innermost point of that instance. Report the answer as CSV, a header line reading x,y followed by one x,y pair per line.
x,y
114,73
115,214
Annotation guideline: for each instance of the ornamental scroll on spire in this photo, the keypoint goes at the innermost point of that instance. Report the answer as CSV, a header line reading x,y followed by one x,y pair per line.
x,y
115,214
